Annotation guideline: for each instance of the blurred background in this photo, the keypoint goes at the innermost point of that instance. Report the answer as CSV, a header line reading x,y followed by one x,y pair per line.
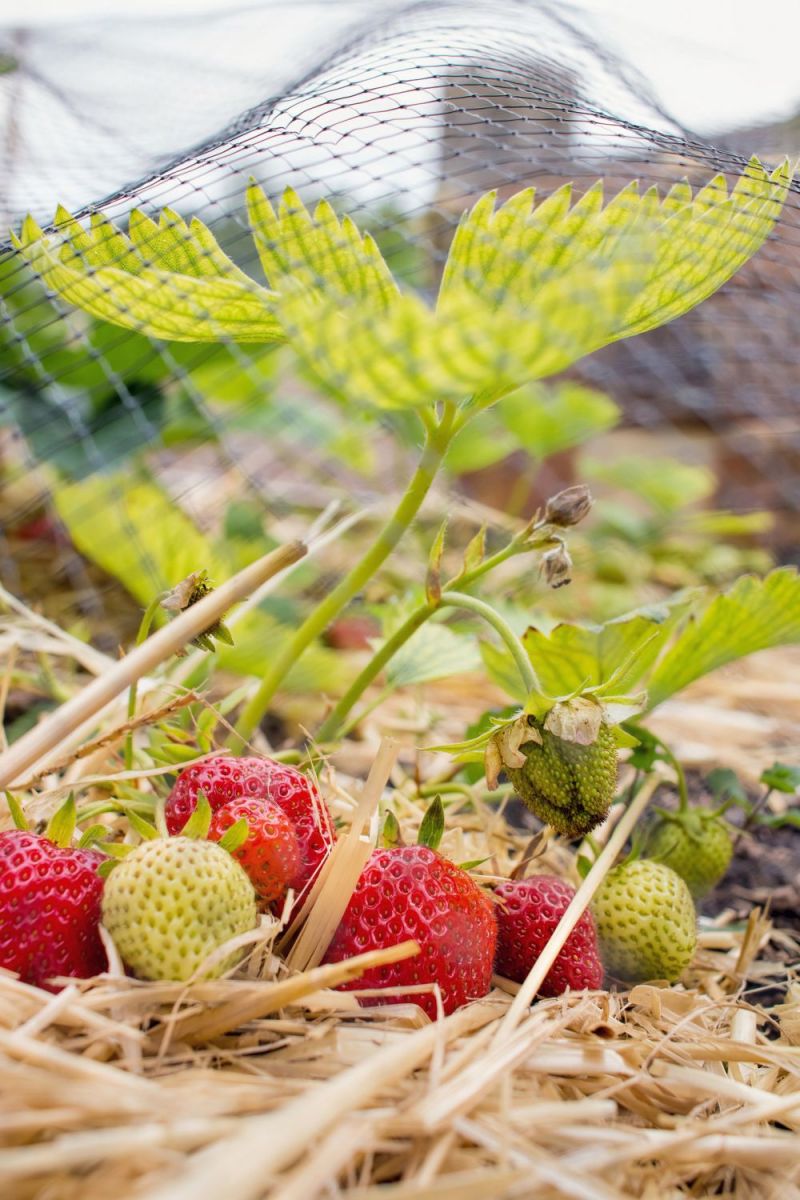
x,y
125,463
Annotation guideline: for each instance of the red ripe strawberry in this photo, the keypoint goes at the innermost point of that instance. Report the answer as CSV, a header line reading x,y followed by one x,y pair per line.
x,y
49,909
412,892
225,778
528,912
271,855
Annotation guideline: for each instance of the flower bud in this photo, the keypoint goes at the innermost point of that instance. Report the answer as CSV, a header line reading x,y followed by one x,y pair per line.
x,y
568,507
557,566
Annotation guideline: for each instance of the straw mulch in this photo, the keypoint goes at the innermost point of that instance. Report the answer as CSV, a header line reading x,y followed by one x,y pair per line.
x,y
271,1084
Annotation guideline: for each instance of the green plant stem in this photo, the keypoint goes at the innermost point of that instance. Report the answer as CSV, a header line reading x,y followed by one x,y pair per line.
x,y
144,629
437,439
334,723
502,629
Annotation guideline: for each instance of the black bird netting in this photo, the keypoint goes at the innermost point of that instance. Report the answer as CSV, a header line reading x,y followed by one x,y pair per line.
x,y
162,410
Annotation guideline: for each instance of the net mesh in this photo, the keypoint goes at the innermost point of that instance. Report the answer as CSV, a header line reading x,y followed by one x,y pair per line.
x,y
130,457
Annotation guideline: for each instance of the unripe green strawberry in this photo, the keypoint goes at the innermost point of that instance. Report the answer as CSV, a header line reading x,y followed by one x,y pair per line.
x,y
173,901
646,922
566,784
696,843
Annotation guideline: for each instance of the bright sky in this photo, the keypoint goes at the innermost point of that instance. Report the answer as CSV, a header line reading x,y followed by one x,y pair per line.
x,y
714,63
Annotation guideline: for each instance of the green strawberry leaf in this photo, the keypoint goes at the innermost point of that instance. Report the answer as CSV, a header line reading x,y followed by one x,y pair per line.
x,y
105,868
433,652
431,830
753,615
319,252
61,826
572,658
17,812
168,280
235,836
781,778
199,822
472,863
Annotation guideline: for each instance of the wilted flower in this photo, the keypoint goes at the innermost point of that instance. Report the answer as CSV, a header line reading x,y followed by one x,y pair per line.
x,y
557,566
568,507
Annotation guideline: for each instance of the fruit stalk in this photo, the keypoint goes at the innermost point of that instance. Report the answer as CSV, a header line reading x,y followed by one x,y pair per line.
x,y
437,440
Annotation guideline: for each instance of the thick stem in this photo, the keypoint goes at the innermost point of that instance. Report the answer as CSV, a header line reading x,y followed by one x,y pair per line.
x,y
437,440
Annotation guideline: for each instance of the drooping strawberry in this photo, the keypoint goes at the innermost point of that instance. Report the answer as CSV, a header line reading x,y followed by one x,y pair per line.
x,y
562,763
646,922
527,914
271,855
225,778
412,892
49,909
172,902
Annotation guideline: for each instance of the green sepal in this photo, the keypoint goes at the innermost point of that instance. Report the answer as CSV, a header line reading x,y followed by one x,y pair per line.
x,y
472,863
93,836
146,831
624,739
433,579
583,865
117,850
235,836
432,828
61,825
105,868
390,833
17,812
199,822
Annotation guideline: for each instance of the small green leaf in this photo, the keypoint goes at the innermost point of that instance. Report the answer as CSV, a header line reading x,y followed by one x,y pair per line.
x,y
781,778
17,812
475,551
105,868
199,822
472,863
390,833
726,787
61,825
146,831
235,836
432,828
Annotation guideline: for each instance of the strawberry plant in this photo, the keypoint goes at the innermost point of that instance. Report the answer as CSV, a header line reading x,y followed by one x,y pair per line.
x,y
527,290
